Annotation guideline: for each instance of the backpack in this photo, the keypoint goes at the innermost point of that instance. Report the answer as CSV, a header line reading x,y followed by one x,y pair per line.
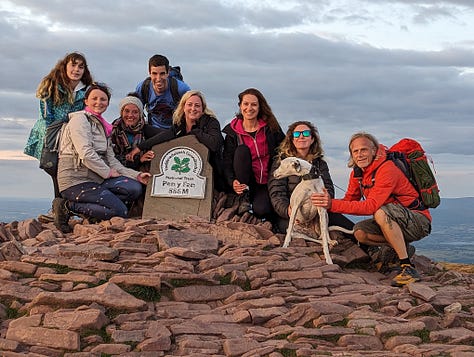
x,y
410,158
50,151
174,73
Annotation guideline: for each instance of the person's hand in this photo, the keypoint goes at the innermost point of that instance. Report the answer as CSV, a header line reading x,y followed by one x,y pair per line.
x,y
289,211
132,154
238,187
144,177
113,173
148,156
321,199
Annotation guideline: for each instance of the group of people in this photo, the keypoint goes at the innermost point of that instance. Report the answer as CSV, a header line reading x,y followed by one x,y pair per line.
x,y
103,168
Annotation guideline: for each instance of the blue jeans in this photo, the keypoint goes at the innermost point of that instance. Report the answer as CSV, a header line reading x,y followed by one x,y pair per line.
x,y
103,201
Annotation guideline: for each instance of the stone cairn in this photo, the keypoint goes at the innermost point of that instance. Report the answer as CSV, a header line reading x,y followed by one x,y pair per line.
x,y
146,287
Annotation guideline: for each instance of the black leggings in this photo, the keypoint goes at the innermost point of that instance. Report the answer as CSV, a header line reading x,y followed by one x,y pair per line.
x,y
53,172
259,197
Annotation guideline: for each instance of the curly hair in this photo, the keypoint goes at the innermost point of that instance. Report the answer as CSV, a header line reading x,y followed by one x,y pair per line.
x,y
178,115
264,111
358,135
56,83
287,147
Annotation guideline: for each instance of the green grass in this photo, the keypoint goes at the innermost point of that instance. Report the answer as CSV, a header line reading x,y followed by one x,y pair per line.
x,y
146,293
102,333
287,352
60,269
14,313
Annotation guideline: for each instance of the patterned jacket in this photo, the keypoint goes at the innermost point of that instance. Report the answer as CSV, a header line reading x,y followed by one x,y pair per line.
x,y
49,114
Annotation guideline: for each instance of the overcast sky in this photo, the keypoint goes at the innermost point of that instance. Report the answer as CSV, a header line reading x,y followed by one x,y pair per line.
x,y
392,68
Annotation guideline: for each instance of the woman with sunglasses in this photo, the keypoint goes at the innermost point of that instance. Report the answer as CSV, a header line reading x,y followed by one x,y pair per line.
x,y
302,141
252,138
93,183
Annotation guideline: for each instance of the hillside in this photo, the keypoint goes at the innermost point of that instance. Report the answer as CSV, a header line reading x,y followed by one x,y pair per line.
x,y
161,288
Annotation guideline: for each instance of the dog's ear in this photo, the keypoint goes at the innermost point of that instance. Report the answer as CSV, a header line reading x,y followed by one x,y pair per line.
x,y
297,165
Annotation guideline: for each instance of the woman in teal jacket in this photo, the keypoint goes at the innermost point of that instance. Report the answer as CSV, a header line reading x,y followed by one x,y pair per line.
x,y
60,92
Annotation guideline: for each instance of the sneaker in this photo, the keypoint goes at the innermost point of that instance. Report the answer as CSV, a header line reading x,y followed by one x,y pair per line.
x,y
244,205
407,275
61,215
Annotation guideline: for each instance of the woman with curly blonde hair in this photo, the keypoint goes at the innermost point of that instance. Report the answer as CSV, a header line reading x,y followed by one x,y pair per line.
x,y
302,140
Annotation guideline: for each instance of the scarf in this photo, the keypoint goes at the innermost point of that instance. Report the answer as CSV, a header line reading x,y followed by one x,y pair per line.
x,y
107,126
126,138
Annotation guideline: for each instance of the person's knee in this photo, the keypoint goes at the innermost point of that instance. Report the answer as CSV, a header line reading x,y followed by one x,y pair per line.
x,y
135,190
380,216
361,236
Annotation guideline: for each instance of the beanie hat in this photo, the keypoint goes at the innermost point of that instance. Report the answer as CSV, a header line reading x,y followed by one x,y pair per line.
x,y
131,100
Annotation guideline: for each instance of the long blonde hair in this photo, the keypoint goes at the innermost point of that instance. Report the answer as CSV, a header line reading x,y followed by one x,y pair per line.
x,y
287,147
57,79
178,115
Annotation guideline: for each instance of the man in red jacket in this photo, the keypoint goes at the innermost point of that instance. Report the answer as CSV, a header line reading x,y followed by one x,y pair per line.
x,y
379,188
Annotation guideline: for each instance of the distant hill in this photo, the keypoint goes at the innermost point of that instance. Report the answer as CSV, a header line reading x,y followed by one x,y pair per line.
x,y
454,211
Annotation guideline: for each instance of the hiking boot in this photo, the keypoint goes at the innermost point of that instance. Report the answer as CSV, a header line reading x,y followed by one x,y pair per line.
x,y
244,205
407,275
61,215
386,259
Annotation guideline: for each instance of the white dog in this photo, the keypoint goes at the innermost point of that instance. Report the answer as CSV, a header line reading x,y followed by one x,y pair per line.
x,y
302,209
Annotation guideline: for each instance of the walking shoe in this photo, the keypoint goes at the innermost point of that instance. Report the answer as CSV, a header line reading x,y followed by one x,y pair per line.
x,y
61,215
385,259
407,275
244,205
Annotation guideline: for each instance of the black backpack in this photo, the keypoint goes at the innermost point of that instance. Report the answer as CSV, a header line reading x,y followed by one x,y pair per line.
x,y
174,74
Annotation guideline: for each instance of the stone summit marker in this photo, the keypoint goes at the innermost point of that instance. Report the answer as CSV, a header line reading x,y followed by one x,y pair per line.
x,y
182,182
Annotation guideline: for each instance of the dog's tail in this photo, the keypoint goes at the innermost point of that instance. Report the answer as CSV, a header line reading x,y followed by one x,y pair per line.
x,y
340,229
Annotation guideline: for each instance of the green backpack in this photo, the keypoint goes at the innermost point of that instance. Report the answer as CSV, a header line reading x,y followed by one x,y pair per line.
x,y
410,157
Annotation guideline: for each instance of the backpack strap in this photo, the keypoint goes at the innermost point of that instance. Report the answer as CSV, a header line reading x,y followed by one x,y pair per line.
x,y
174,90
145,90
417,203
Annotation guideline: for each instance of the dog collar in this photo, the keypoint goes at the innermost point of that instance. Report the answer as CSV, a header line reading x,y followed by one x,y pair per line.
x,y
310,176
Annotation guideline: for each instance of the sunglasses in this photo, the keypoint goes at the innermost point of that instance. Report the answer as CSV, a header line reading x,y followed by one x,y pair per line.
x,y
306,133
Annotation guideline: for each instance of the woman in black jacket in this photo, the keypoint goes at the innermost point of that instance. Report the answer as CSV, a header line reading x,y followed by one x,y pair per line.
x,y
301,140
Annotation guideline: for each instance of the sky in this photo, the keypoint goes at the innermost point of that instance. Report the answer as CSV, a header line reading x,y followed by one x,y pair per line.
x,y
392,68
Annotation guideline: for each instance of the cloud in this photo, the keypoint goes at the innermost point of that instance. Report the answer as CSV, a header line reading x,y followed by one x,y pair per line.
x,y
341,64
